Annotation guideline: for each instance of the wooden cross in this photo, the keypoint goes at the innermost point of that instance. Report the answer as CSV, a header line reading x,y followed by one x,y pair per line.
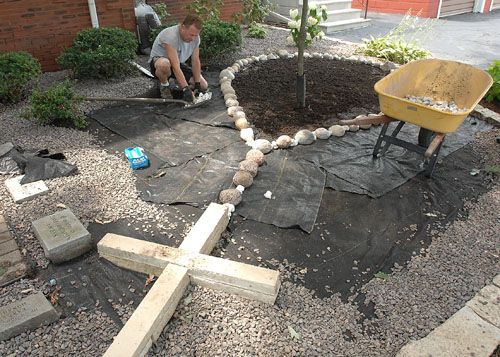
x,y
176,268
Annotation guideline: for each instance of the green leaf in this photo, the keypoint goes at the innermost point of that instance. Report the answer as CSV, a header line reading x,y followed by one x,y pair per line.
x,y
294,334
381,275
493,168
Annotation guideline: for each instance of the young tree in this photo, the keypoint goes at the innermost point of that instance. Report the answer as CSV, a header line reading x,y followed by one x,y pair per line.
x,y
301,77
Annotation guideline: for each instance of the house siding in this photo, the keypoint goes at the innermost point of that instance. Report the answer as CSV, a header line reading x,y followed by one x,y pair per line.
x,y
428,8
44,28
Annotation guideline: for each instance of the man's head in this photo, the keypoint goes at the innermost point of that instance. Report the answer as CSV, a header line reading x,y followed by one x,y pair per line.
x,y
190,28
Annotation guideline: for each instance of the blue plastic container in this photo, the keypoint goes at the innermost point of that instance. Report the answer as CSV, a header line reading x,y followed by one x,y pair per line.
x,y
137,158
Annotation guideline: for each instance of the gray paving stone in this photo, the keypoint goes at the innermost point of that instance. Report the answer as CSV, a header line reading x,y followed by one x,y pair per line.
x,y
28,313
62,236
21,193
486,304
496,280
463,334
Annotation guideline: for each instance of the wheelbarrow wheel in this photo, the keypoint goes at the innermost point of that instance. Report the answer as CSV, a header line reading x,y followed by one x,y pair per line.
x,y
425,137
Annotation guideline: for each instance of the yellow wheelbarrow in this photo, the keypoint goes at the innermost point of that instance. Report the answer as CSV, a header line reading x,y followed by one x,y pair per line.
x,y
438,79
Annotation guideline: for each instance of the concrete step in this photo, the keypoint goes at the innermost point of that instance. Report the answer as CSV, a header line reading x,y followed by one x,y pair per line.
x,y
332,5
335,26
344,14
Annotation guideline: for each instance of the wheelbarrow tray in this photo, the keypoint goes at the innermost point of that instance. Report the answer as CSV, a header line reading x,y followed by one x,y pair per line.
x,y
438,79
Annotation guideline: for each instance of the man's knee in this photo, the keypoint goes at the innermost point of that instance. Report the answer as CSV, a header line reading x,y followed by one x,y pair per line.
x,y
162,64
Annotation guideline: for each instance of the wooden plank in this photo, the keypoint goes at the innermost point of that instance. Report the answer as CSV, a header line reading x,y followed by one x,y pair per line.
x,y
148,320
142,255
207,230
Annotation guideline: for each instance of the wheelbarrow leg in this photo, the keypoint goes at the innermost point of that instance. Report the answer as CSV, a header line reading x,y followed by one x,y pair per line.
x,y
394,134
380,139
432,153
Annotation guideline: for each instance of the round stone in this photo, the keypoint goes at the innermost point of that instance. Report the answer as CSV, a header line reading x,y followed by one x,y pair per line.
x,y
242,123
229,96
247,134
250,166
224,80
232,110
226,73
337,130
243,178
256,155
235,68
231,196
228,90
353,127
262,145
365,126
322,133
284,141
283,53
239,114
244,61
232,103
262,58
305,137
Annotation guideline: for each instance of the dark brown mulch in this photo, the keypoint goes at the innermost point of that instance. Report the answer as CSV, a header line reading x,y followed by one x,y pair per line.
x,y
495,105
334,90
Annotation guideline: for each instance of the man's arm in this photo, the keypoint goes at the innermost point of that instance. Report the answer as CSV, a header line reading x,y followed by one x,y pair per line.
x,y
196,64
175,65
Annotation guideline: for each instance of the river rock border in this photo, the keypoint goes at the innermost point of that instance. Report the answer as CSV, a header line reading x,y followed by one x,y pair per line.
x,y
255,157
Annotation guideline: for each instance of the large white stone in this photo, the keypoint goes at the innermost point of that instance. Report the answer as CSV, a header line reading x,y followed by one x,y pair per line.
x,y
463,334
26,192
486,304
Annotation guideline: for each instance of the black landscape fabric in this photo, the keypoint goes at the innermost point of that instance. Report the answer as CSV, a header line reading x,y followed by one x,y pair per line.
x,y
201,155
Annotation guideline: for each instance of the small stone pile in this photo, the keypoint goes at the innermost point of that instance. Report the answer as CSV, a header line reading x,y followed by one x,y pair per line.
x,y
445,106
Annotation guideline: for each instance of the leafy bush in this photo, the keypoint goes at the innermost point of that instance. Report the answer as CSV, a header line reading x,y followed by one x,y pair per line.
x,y
398,45
256,31
161,10
207,10
58,105
254,11
219,37
494,92
312,26
100,53
17,69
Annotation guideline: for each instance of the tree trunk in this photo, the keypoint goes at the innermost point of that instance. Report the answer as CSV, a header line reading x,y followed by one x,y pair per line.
x,y
301,77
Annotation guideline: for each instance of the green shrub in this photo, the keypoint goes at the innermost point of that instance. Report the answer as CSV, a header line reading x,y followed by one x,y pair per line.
x,y
401,44
256,31
207,10
17,69
100,53
58,105
494,92
219,37
254,11
161,10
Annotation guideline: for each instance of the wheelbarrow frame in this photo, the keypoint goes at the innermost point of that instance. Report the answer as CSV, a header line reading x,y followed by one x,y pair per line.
x,y
430,152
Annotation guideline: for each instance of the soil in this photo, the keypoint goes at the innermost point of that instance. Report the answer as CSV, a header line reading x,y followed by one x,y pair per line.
x,y
495,105
334,90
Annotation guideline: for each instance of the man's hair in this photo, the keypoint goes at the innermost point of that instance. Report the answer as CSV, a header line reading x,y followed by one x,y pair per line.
x,y
192,20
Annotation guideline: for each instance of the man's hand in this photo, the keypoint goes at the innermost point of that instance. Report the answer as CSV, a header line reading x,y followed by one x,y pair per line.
x,y
187,95
197,89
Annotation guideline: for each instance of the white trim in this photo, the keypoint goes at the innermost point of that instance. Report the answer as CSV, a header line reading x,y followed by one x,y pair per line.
x,y
439,9
491,4
479,6
93,14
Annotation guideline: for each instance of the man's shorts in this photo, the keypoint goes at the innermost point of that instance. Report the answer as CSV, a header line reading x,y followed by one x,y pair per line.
x,y
186,70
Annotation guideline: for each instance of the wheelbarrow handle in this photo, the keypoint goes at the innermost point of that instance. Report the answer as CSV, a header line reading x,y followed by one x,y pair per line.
x,y
139,100
438,139
379,119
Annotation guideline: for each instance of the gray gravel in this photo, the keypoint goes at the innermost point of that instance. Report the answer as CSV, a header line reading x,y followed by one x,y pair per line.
x,y
412,301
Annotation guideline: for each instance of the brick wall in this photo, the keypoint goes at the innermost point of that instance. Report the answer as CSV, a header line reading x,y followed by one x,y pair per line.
x,y
177,9
44,28
429,7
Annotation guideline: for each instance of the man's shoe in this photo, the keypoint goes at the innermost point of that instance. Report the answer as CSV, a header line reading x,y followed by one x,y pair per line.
x,y
165,92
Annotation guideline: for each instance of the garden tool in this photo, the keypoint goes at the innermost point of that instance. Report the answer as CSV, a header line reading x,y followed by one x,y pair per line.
x,y
198,100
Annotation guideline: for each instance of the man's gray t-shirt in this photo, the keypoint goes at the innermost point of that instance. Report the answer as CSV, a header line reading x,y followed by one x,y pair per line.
x,y
171,36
